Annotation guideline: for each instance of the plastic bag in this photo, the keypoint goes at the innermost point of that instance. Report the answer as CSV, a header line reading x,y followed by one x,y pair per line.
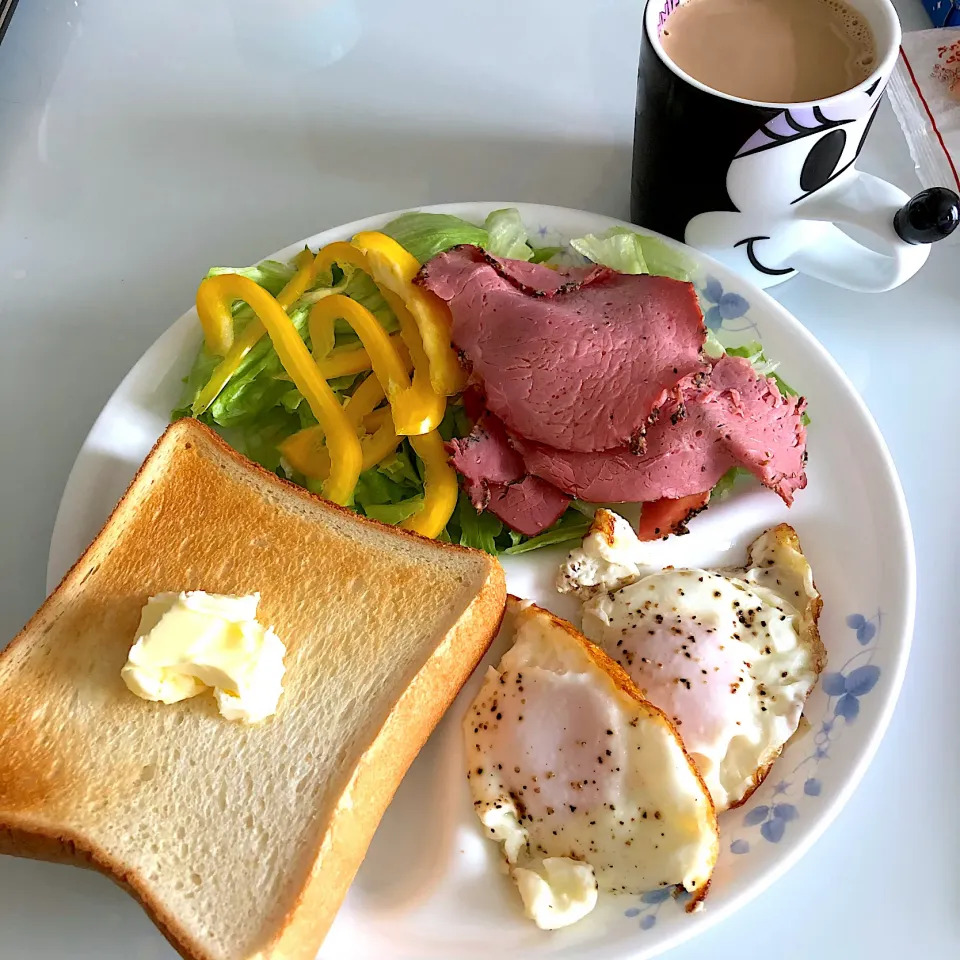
x,y
925,93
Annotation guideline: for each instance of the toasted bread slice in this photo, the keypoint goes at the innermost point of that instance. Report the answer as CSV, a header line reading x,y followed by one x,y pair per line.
x,y
239,840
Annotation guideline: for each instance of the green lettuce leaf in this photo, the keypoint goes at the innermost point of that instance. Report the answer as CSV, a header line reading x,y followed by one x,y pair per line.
x,y
400,469
507,236
375,488
394,513
573,525
455,423
258,384
725,484
203,366
269,274
543,254
630,252
362,289
424,235
478,530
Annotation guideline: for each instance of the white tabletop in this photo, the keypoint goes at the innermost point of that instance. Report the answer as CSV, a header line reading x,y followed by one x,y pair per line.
x,y
142,142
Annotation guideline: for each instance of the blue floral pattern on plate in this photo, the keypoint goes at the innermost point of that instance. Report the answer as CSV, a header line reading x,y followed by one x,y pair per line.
x,y
844,688
722,309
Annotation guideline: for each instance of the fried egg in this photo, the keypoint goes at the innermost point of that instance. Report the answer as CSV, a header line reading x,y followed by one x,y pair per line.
x,y
586,785
730,656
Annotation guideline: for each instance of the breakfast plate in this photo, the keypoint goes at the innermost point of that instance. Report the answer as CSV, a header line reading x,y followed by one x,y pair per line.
x,y
431,885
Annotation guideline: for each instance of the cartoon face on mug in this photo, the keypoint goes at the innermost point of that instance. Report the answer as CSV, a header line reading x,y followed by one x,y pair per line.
x,y
801,153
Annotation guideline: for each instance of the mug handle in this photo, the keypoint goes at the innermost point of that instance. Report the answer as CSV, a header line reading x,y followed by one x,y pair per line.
x,y
869,203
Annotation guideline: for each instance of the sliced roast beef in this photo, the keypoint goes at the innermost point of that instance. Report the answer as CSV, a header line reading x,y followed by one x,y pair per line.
x,y
578,361
484,458
735,419
495,479
528,506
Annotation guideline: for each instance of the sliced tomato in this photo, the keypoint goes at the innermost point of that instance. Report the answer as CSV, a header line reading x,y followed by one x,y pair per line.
x,y
660,518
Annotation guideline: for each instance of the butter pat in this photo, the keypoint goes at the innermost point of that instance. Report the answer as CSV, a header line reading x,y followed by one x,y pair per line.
x,y
191,642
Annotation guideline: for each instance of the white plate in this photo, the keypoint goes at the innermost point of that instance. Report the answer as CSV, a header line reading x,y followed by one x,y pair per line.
x,y
430,886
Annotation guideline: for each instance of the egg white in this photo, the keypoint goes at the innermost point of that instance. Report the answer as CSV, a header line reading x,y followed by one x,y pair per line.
x,y
566,761
730,656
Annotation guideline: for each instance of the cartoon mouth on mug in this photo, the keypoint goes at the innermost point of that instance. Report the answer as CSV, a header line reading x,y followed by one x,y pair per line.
x,y
791,157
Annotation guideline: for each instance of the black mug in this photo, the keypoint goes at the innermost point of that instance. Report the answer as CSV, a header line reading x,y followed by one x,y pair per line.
x,y
762,187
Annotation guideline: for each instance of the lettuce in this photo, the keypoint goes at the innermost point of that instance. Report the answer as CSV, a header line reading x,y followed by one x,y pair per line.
x,y
426,234
396,512
725,484
478,530
269,274
626,251
543,254
573,525
506,235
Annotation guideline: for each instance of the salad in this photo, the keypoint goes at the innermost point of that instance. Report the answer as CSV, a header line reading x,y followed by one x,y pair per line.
x,y
289,345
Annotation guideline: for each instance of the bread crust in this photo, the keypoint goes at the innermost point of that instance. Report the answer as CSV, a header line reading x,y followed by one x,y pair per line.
x,y
374,779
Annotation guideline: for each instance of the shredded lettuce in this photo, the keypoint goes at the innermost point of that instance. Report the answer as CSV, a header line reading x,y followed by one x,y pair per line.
x,y
269,274
396,512
573,525
361,288
399,468
627,251
725,484
479,530
544,254
753,351
507,236
426,234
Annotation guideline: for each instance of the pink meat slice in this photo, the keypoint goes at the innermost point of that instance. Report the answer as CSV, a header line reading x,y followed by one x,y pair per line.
x,y
735,419
529,506
495,479
485,456
576,360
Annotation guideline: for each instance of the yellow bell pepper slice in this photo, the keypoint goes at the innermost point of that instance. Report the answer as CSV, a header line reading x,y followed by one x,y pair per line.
x,y
323,337
307,453
217,318
440,487
374,421
393,268
305,450
344,361
221,342
215,295
413,411
414,345
364,400
379,445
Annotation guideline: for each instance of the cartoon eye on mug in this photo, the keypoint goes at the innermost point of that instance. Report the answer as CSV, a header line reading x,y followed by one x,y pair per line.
x,y
795,154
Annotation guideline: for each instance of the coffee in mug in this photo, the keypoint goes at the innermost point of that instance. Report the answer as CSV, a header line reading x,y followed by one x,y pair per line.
x,y
780,51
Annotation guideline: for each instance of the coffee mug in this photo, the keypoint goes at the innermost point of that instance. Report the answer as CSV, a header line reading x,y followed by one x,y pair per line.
x,y
765,187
